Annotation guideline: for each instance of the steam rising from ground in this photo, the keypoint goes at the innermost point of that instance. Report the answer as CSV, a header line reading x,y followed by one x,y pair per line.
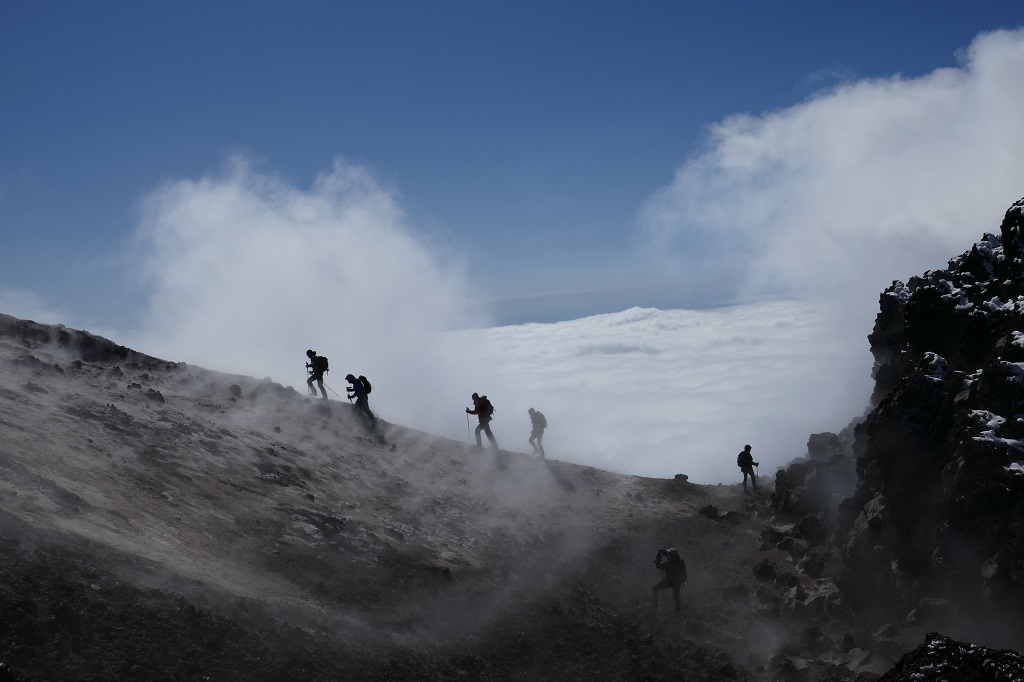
x,y
248,272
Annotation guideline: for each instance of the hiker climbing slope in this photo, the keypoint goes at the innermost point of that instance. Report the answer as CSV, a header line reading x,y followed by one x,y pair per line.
x,y
360,390
485,411
317,367
745,461
669,561
539,423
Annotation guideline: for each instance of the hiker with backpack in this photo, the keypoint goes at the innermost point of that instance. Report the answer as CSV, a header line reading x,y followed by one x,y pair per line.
x,y
317,367
484,410
539,423
360,390
673,576
745,461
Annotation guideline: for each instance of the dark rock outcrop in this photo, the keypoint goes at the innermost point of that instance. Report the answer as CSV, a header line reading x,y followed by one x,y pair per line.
x,y
938,508
85,347
942,658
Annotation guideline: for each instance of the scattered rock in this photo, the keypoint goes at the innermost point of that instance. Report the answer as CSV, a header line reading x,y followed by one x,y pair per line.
x,y
710,511
765,571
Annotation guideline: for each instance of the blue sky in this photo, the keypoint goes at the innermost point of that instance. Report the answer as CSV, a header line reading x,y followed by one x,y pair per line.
x,y
522,137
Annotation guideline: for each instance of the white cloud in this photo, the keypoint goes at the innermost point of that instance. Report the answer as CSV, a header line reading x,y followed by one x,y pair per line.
x,y
657,393
827,201
246,272
871,181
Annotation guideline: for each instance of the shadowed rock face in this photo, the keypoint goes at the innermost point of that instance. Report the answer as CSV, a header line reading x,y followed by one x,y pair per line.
x,y
87,347
938,508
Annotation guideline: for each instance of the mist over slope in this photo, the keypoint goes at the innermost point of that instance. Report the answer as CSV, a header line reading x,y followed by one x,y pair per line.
x,y
163,521
158,497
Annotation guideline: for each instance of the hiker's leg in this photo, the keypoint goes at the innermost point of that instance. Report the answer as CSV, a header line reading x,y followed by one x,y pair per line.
x,y
320,383
658,586
490,436
309,384
540,443
675,595
364,404
479,428
533,437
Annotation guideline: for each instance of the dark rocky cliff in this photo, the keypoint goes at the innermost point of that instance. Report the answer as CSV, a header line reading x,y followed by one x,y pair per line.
x,y
933,530
937,516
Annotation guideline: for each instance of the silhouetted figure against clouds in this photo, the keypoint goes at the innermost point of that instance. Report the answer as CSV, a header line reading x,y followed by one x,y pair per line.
x,y
669,561
539,423
485,411
360,390
745,461
317,367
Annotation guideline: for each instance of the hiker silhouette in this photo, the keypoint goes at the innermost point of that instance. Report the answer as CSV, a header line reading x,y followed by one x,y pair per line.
x,y
745,461
317,367
360,389
539,423
485,411
669,561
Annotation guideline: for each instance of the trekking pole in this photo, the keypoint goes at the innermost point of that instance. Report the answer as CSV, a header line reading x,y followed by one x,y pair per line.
x,y
468,434
331,390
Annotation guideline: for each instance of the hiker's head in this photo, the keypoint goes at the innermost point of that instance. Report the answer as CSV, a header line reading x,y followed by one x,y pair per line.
x,y
746,448
350,379
531,410
310,353
475,396
672,552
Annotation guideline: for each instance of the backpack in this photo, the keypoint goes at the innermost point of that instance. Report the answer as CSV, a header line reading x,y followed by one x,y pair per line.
x,y
542,421
739,460
320,364
366,384
485,408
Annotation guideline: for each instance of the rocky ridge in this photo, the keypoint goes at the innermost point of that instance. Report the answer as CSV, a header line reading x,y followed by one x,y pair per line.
x,y
917,509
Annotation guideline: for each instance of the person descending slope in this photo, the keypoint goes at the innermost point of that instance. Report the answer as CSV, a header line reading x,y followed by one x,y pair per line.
x,y
360,390
745,461
317,367
485,412
539,423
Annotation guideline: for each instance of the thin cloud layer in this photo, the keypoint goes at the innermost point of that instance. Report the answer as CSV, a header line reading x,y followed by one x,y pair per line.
x,y
657,393
872,181
246,272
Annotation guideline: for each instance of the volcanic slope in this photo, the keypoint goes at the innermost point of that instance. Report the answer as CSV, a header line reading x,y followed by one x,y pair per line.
x,y
163,521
